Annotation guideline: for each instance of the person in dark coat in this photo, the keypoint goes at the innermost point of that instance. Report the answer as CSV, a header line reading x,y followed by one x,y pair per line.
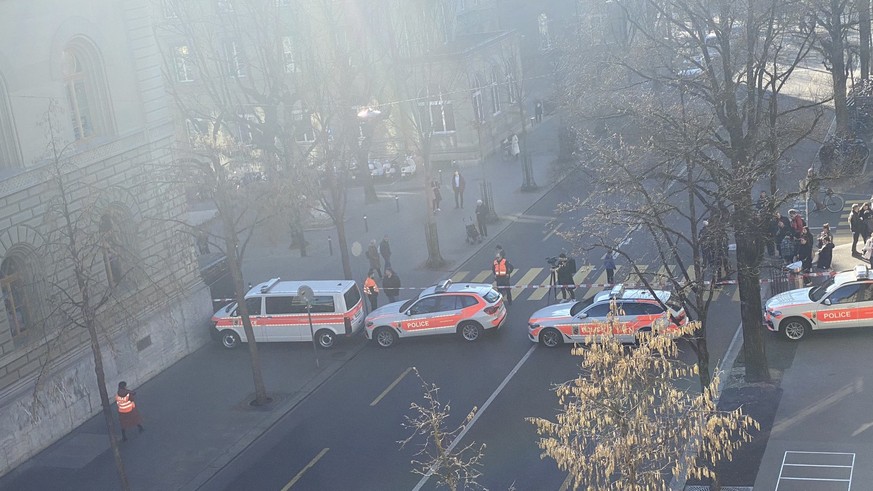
x,y
825,253
385,251
458,186
787,249
391,285
436,195
128,414
855,226
804,253
609,266
566,270
373,257
481,218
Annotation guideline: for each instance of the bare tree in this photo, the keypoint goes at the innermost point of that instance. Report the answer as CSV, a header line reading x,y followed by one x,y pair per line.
x,y
836,18
438,456
626,422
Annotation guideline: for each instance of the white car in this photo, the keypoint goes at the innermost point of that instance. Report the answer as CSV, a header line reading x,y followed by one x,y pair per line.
x,y
466,309
844,301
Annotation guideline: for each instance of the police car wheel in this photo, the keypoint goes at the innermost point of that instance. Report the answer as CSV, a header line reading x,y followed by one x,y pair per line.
x,y
551,338
470,331
229,339
325,338
385,337
795,328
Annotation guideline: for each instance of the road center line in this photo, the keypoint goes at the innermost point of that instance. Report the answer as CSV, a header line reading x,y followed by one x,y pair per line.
x,y
393,384
479,412
311,463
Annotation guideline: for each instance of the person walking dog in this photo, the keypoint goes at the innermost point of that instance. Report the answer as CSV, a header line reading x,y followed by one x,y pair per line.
x,y
128,414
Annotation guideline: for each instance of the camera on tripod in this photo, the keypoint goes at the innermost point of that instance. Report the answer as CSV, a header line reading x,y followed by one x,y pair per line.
x,y
552,261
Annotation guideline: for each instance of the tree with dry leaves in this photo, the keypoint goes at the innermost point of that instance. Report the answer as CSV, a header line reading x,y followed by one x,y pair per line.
x,y
629,421
439,455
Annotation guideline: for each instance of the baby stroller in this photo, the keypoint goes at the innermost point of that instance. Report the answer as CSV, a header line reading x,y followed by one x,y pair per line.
x,y
473,236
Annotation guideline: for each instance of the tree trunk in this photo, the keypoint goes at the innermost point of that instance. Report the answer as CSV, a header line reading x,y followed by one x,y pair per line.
x,y
748,279
838,68
108,413
864,31
344,249
231,242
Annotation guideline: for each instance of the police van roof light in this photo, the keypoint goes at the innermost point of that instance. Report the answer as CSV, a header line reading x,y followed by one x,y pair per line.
x,y
443,285
268,285
862,272
617,291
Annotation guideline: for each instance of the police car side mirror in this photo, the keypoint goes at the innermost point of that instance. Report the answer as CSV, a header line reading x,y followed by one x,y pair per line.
x,y
408,312
582,315
827,301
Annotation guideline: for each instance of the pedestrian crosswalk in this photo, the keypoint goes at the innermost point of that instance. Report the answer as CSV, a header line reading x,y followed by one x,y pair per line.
x,y
536,283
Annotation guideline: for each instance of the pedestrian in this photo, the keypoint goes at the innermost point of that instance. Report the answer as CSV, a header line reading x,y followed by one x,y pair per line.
x,y
436,195
458,186
566,270
770,231
761,204
128,414
824,234
514,150
371,290
804,253
855,226
538,112
866,220
806,234
391,285
867,251
373,257
385,251
502,270
797,221
609,266
787,249
481,217
825,253
810,186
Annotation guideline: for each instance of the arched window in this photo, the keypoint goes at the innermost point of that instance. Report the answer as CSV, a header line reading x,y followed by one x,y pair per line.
x,y
87,96
116,245
495,90
21,292
543,27
9,152
478,110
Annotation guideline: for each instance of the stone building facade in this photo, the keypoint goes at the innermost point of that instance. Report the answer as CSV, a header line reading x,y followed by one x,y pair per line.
x,y
84,123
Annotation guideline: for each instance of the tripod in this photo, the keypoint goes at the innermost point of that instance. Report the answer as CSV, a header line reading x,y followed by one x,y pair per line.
x,y
553,286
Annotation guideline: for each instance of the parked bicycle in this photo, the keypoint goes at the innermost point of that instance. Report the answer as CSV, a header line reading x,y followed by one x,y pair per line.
x,y
833,202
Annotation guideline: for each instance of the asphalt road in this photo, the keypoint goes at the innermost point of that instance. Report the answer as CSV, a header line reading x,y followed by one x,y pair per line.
x,y
346,434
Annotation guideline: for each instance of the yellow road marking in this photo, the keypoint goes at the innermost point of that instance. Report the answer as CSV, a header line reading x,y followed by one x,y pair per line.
x,y
311,463
599,280
481,276
459,276
528,277
583,272
393,384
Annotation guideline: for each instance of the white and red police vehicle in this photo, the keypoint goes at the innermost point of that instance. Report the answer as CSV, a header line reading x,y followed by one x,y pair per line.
x,y
466,309
844,301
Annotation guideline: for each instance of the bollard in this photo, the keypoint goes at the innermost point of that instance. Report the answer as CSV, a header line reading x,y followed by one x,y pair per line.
x,y
397,203
366,227
330,245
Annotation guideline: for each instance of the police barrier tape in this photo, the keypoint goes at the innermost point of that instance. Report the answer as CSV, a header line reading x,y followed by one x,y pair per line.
x,y
604,285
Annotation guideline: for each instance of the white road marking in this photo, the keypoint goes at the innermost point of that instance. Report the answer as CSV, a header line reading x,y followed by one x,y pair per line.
x,y
810,467
557,227
393,384
479,412
311,463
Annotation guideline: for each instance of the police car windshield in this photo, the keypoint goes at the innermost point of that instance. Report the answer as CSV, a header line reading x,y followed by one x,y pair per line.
x,y
581,304
818,292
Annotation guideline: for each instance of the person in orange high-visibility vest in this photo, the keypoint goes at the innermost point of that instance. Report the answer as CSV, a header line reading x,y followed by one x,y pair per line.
x,y
371,290
128,414
502,268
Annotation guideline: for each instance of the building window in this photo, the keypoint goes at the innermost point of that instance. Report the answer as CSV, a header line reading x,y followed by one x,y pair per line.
x,y
288,57
233,59
78,96
21,294
10,156
437,111
168,8
511,89
495,90
543,27
183,63
303,132
478,110
86,91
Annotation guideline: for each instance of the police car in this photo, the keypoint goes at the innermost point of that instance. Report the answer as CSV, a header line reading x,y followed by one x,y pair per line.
x,y
846,300
466,309
583,321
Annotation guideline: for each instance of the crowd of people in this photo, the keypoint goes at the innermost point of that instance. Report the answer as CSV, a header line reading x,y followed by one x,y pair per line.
x,y
790,239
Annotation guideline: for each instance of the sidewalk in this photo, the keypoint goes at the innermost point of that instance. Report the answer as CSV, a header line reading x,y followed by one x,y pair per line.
x,y
196,412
